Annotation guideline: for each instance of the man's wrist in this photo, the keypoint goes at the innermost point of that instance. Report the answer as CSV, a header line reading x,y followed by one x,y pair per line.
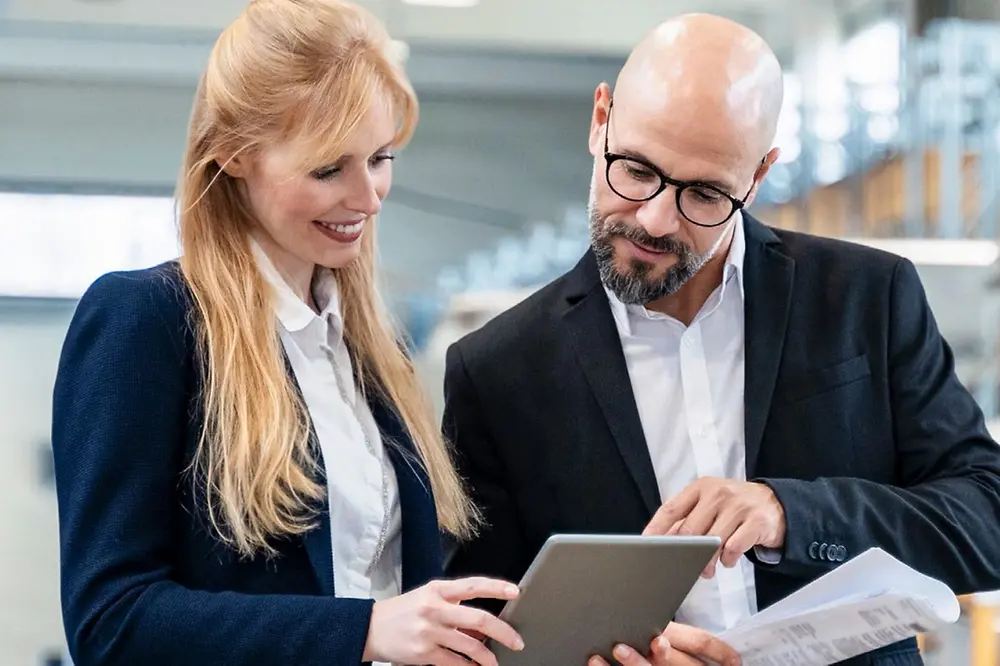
x,y
775,512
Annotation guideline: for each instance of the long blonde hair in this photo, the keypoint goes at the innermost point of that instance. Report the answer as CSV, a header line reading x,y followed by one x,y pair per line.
x,y
304,71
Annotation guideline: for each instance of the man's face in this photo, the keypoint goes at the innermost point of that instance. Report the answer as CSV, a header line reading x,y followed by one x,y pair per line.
x,y
636,266
649,249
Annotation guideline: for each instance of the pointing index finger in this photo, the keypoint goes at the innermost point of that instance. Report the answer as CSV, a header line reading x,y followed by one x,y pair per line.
x,y
672,511
477,587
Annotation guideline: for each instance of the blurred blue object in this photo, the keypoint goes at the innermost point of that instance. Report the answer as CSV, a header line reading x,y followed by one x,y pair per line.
x,y
422,316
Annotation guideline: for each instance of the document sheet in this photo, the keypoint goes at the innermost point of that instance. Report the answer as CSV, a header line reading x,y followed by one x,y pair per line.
x,y
869,602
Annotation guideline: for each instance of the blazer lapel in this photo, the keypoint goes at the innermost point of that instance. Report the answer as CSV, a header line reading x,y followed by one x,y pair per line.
x,y
421,544
422,556
769,276
318,541
319,544
592,332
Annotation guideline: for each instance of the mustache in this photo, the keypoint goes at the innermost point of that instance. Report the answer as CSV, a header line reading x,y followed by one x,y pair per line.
x,y
639,236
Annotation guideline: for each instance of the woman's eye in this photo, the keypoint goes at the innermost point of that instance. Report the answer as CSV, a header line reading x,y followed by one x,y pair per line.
x,y
325,173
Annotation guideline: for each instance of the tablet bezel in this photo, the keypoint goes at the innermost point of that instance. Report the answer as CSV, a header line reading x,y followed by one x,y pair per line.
x,y
692,554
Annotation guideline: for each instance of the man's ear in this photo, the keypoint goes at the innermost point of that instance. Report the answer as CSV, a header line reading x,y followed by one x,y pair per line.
x,y
761,174
599,119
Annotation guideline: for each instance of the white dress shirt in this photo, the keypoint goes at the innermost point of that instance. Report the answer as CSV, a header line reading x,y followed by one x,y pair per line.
x,y
317,353
688,387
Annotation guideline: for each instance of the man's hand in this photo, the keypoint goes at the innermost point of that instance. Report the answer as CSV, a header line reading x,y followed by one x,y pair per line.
x,y
680,645
742,514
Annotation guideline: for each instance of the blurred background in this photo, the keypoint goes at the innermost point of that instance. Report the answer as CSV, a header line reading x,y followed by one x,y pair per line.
x,y
890,135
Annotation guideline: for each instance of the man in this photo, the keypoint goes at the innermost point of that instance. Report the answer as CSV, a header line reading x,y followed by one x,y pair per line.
x,y
700,373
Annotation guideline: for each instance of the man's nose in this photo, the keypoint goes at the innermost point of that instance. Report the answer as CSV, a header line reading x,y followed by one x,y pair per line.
x,y
659,216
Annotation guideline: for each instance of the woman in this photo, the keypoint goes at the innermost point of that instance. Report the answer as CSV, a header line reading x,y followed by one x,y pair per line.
x,y
246,467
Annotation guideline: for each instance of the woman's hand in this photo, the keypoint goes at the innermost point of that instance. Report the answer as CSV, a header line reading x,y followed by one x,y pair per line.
x,y
429,625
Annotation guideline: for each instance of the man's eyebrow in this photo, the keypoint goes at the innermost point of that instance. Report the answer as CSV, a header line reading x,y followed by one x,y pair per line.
x,y
717,184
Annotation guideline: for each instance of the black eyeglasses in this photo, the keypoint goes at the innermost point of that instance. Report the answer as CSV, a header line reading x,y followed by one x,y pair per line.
x,y
635,179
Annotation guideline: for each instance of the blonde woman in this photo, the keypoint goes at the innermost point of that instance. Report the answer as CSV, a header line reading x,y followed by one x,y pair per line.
x,y
246,468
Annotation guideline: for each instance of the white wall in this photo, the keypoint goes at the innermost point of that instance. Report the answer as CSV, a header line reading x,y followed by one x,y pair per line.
x,y
562,25
30,621
477,169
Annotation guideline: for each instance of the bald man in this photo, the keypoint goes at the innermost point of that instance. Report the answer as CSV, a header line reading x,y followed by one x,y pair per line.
x,y
700,373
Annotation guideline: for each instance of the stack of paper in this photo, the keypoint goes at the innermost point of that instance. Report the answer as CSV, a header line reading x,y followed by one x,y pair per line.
x,y
869,602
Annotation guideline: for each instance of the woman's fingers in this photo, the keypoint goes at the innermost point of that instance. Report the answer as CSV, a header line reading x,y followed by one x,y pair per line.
x,y
466,618
465,589
470,647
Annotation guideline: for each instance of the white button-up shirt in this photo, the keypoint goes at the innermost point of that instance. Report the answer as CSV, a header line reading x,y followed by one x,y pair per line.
x,y
688,387
316,350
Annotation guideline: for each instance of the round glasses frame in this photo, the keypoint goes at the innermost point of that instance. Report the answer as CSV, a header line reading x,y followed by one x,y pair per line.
x,y
679,186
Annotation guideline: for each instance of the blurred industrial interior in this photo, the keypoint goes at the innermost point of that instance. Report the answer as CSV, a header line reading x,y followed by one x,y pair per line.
x,y
890,135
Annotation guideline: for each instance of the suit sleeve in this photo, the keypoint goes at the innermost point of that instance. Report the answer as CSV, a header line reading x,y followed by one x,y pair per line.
x,y
941,516
120,415
498,550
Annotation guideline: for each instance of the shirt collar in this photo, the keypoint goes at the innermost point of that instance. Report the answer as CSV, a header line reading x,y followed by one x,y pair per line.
x,y
293,313
733,270
737,255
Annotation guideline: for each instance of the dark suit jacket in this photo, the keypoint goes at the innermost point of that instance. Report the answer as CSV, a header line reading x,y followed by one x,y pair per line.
x,y
143,580
853,416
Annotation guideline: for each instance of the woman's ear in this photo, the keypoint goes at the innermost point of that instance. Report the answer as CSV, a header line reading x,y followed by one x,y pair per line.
x,y
236,163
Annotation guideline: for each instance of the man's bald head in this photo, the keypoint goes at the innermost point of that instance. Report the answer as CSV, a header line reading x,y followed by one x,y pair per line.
x,y
680,149
703,68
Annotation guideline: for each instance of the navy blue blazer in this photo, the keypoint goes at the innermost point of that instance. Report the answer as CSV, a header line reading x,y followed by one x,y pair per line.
x,y
143,580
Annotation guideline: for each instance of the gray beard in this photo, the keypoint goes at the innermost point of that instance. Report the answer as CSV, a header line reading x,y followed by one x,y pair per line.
x,y
637,284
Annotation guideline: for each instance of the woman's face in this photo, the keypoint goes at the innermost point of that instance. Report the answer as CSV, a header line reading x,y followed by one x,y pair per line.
x,y
319,218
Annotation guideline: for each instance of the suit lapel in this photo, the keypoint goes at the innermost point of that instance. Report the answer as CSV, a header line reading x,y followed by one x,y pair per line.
x,y
769,276
319,547
318,541
421,544
422,555
591,330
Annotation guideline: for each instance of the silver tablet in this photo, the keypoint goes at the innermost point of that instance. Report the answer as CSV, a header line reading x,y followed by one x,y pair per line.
x,y
584,594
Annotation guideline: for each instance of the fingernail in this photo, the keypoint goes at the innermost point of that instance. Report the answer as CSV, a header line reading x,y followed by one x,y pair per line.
x,y
662,645
518,644
513,590
622,652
